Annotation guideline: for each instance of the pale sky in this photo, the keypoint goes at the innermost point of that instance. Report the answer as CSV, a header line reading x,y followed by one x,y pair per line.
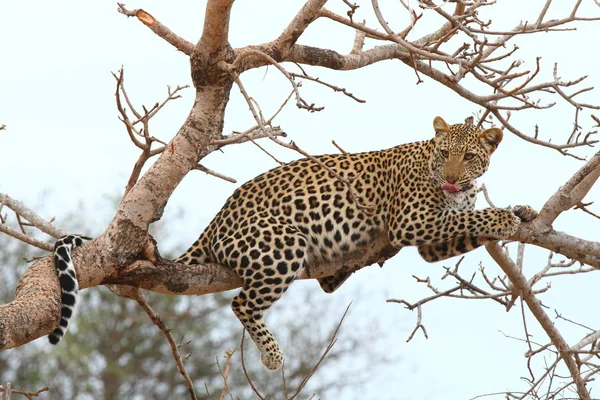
x,y
64,145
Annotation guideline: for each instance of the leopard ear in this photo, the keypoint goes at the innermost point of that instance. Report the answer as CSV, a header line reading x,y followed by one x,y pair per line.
x,y
490,139
440,127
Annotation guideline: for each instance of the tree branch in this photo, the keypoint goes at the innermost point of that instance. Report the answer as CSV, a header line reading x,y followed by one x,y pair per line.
x,y
522,286
158,28
38,288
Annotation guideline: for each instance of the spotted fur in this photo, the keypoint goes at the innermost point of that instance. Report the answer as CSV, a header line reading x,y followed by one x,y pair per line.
x,y
280,223
68,281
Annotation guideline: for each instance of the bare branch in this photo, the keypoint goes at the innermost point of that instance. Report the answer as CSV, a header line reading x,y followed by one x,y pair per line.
x,y
300,102
249,135
335,88
254,389
30,395
225,374
31,216
305,16
520,282
144,133
158,28
202,168
332,342
139,297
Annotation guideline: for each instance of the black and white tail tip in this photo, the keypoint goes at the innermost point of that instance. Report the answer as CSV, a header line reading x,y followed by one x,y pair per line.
x,y
68,281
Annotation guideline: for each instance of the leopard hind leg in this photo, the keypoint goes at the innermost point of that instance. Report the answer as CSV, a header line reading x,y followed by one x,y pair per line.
x,y
268,265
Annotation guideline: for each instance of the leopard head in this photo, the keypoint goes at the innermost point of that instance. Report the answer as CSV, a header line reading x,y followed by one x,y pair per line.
x,y
461,154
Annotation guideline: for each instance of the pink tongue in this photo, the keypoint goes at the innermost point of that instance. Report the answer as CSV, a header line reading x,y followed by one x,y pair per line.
x,y
449,187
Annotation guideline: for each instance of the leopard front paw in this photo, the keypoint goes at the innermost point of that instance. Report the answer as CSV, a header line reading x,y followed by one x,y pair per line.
x,y
525,213
506,223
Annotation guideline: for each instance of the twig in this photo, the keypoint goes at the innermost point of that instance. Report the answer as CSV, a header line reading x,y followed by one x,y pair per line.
x,y
418,325
300,102
332,342
338,147
536,309
139,297
30,215
202,168
583,207
352,9
251,134
30,395
158,28
329,85
367,209
225,375
254,390
144,119
26,238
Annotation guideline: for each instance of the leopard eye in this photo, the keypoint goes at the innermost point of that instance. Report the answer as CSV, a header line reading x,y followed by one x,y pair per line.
x,y
469,156
445,153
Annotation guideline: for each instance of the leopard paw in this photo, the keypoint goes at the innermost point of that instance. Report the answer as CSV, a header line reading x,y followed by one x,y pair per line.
x,y
502,223
525,213
272,360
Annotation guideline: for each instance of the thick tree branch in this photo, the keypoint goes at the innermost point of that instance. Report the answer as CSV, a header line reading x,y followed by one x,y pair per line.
x,y
38,288
540,231
334,60
525,291
571,193
307,14
216,25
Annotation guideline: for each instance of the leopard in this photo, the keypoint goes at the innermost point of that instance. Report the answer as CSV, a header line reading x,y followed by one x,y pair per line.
x,y
278,225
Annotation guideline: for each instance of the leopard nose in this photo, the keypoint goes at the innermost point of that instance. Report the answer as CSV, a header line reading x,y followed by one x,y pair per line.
x,y
450,180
